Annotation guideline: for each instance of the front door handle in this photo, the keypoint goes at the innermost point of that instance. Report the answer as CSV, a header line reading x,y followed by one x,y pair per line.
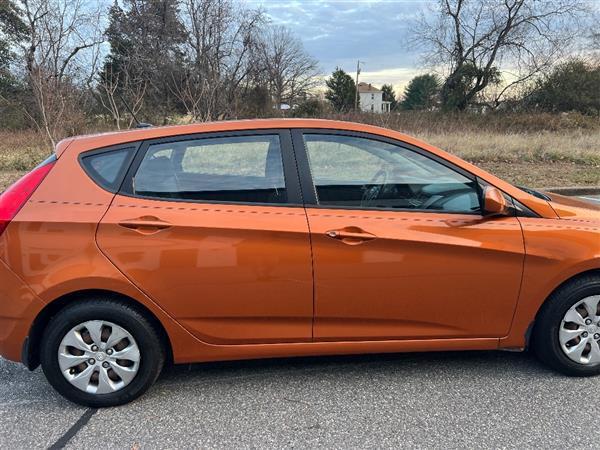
x,y
351,235
145,224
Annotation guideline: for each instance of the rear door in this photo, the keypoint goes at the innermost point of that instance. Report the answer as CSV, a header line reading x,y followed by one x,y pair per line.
x,y
401,248
212,228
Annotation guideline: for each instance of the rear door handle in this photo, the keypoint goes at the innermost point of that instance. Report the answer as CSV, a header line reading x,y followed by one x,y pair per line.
x,y
351,235
145,224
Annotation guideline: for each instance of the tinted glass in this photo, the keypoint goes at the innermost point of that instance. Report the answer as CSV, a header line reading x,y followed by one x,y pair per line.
x,y
229,169
359,172
108,168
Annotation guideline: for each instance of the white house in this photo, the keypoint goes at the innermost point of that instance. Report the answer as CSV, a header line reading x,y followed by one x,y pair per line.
x,y
371,99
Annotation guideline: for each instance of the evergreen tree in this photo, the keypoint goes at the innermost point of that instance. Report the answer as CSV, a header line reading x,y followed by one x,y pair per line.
x,y
12,31
389,95
421,93
460,88
341,91
145,56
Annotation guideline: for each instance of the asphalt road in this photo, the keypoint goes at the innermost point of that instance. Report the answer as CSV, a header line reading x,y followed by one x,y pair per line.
x,y
426,400
431,400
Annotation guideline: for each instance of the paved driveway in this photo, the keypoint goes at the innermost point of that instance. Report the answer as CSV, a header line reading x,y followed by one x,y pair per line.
x,y
437,400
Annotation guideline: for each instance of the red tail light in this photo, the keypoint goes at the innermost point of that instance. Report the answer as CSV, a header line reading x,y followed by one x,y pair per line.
x,y
14,197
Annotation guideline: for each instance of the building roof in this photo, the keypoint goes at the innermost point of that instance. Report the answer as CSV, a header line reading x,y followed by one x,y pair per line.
x,y
367,87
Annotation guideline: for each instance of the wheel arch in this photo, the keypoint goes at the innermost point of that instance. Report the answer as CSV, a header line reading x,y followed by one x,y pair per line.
x,y
30,355
529,333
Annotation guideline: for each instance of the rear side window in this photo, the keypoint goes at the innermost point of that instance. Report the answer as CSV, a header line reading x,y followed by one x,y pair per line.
x,y
108,168
242,169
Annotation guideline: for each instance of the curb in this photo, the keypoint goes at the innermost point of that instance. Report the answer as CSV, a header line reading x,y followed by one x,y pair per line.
x,y
574,190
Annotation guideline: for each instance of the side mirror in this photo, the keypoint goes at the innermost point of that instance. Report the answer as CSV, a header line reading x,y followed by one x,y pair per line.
x,y
494,202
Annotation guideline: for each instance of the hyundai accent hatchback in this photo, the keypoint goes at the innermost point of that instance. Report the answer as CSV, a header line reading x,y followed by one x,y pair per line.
x,y
256,239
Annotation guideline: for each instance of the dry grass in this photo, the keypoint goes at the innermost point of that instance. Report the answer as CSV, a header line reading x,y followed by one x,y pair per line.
x,y
417,122
9,177
542,175
538,150
535,150
22,150
578,147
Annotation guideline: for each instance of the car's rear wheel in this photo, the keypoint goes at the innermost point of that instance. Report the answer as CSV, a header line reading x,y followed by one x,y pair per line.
x,y
567,330
101,352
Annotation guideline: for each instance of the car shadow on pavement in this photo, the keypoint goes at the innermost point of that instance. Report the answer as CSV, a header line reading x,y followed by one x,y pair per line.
x,y
480,364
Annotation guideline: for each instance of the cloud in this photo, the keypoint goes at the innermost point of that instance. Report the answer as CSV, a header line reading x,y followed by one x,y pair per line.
x,y
338,33
397,77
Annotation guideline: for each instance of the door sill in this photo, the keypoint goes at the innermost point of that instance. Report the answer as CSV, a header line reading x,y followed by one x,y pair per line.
x,y
203,352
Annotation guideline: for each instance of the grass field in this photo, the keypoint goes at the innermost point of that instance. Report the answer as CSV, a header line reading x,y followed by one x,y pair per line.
x,y
535,150
543,159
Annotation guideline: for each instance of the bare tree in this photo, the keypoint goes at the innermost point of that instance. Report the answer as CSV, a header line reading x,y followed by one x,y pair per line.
x,y
222,38
473,39
60,32
113,91
291,73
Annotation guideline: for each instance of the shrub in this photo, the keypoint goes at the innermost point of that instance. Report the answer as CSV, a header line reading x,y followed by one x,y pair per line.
x,y
572,86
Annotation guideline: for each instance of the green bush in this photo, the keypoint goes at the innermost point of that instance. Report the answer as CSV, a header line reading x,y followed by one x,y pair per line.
x,y
572,86
312,107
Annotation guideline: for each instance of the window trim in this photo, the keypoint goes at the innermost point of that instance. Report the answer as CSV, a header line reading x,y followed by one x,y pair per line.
x,y
290,170
116,185
309,189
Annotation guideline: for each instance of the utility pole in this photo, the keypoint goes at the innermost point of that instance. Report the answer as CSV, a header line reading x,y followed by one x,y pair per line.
x,y
356,92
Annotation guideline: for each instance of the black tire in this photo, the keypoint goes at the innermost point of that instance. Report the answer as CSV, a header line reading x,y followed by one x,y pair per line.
x,y
152,349
546,343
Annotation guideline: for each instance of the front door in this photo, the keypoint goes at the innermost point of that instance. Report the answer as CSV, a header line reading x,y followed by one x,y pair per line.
x,y
400,246
211,227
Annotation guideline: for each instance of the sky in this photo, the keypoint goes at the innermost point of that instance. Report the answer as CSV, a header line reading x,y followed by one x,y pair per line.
x,y
340,32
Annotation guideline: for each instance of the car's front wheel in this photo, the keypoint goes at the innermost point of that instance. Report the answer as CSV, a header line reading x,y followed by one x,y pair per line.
x,y
101,352
567,331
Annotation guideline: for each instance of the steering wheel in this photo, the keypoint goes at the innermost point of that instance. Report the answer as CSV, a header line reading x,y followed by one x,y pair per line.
x,y
377,182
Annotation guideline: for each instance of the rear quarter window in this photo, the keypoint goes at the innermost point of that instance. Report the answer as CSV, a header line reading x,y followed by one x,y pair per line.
x,y
107,168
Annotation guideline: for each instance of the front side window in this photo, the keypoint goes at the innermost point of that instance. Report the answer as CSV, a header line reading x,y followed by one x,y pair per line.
x,y
246,169
358,172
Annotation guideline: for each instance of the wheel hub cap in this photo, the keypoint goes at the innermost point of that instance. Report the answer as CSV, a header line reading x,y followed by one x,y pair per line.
x,y
579,329
110,366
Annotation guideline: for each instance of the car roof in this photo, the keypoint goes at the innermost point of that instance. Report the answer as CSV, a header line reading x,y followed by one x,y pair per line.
x,y
94,141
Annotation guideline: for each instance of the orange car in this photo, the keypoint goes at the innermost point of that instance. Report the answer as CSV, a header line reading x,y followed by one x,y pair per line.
x,y
268,238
